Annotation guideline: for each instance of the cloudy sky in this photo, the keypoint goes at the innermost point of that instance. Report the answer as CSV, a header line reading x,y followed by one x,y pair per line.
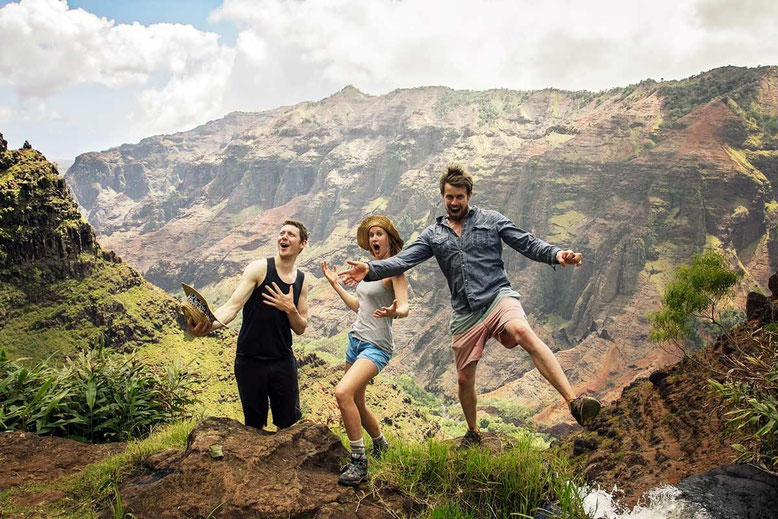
x,y
80,76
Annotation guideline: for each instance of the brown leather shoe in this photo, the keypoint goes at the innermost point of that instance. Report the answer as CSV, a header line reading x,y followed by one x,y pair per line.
x,y
585,409
470,439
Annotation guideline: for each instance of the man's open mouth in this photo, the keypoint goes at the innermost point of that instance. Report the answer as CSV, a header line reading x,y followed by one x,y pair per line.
x,y
284,245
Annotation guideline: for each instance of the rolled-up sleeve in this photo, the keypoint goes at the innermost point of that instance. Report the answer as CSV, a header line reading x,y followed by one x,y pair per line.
x,y
417,252
524,242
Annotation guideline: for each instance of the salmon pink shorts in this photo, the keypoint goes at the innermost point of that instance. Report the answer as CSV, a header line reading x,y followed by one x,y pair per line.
x,y
469,346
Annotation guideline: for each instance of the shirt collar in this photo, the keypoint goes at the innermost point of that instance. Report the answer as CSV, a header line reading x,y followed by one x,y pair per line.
x,y
444,218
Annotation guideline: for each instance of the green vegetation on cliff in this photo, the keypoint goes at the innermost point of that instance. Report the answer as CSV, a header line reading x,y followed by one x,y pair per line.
x,y
682,97
693,298
40,224
60,293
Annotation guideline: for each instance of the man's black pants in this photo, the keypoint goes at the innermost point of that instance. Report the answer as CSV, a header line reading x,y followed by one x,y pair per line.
x,y
274,380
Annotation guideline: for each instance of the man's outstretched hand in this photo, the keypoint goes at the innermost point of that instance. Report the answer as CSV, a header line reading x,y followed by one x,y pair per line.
x,y
568,257
199,329
355,274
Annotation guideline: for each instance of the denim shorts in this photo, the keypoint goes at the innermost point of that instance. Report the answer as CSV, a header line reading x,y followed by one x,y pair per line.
x,y
364,350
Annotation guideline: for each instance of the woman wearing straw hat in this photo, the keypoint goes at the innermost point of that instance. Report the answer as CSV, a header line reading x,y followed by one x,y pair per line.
x,y
370,346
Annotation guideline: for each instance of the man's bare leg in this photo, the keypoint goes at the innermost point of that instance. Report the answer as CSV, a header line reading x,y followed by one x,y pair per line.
x,y
541,355
467,396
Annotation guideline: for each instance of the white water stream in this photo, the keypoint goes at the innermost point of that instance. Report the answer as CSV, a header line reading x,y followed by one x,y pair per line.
x,y
658,503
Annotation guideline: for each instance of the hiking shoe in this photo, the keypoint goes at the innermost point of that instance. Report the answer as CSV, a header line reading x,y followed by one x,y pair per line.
x,y
379,446
355,472
470,439
585,409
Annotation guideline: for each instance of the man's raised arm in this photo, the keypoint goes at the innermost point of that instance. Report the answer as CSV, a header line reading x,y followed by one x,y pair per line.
x,y
524,242
252,276
417,252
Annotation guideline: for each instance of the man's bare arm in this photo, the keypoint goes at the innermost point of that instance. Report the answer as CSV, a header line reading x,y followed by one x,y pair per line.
x,y
252,277
299,321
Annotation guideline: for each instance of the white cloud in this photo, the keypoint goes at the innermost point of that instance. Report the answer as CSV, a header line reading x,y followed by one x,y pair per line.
x,y
48,48
6,112
171,77
384,44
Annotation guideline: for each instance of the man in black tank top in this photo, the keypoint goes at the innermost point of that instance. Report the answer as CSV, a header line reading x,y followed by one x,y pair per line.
x,y
274,298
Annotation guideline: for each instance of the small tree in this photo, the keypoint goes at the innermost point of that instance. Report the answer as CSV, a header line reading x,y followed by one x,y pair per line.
x,y
693,296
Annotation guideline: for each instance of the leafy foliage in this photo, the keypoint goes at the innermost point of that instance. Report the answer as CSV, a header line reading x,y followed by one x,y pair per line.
x,y
96,396
420,396
750,392
694,294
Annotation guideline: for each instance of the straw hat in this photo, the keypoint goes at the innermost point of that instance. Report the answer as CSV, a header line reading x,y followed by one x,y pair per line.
x,y
195,307
384,223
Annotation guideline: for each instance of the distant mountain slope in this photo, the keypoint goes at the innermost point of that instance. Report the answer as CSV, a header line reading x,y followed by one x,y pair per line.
x,y
638,178
60,291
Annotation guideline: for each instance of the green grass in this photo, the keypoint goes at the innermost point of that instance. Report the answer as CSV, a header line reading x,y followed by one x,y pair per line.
x,y
509,411
475,483
332,349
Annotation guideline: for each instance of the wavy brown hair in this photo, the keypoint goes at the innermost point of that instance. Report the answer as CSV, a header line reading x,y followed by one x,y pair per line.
x,y
456,175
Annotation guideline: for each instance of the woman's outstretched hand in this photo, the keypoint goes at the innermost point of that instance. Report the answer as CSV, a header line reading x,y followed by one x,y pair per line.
x,y
331,275
387,311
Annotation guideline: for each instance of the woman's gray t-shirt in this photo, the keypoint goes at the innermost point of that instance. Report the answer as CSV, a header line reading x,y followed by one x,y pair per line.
x,y
373,295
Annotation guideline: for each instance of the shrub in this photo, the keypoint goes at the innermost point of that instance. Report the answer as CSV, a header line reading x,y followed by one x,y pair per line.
x,y
694,295
96,396
749,393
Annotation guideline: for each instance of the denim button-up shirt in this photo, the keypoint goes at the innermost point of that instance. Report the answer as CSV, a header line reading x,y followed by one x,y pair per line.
x,y
472,263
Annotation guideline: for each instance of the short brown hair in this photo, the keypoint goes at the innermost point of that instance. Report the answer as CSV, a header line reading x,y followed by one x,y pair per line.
x,y
456,175
301,227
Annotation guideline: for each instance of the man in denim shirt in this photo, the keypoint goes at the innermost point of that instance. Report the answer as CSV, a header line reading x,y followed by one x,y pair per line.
x,y
467,243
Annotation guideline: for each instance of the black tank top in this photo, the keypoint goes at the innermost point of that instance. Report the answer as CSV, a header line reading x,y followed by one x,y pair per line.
x,y
266,333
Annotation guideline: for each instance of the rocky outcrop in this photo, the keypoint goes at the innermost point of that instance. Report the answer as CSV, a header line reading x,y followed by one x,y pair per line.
x,y
59,290
292,473
672,426
761,308
30,458
659,431
733,492
40,223
636,178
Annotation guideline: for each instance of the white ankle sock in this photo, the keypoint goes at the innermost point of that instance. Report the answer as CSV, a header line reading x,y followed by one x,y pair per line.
x,y
357,447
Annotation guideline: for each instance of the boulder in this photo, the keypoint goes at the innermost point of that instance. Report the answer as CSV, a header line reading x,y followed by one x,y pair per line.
x,y
757,306
291,473
772,284
760,307
733,492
